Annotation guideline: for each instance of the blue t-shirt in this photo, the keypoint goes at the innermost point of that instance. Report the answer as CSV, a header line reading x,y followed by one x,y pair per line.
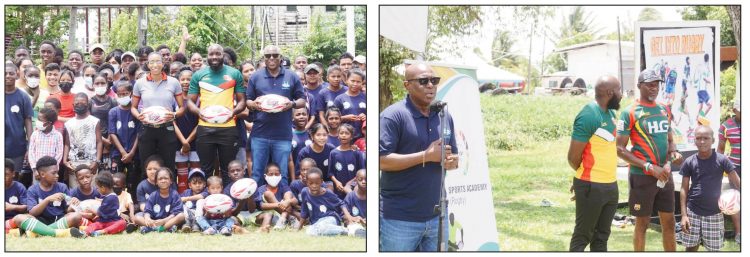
x,y
300,139
77,193
352,105
125,126
326,97
35,195
345,164
17,109
312,102
280,191
267,125
108,210
410,194
354,205
189,192
317,207
296,188
334,141
14,194
321,159
705,182
160,207
186,124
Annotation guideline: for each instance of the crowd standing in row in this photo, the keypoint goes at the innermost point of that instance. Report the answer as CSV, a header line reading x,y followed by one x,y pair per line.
x,y
77,130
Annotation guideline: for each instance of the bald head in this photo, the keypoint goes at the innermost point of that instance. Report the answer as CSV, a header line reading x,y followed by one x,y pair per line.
x,y
605,84
416,69
704,130
271,49
215,47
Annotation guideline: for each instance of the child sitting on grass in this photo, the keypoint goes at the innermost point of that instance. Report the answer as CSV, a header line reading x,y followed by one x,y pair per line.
x,y
108,220
319,207
355,206
197,191
163,210
275,196
126,208
46,203
211,223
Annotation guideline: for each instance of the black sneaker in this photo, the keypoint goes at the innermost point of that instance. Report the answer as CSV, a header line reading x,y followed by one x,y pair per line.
x,y
130,228
77,233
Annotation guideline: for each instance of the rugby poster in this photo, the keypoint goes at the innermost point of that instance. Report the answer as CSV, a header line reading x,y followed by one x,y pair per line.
x,y
685,54
472,225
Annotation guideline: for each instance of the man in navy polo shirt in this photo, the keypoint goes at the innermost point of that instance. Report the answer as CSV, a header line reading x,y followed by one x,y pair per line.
x,y
271,136
410,142
18,114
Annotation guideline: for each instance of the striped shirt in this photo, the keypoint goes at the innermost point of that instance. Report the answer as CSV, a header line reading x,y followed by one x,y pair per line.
x,y
45,144
648,127
730,130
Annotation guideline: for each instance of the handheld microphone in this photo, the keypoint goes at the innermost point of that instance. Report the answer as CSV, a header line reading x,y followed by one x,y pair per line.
x,y
437,106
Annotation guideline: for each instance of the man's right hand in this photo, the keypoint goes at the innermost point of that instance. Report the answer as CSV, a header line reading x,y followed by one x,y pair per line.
x,y
432,153
661,173
685,222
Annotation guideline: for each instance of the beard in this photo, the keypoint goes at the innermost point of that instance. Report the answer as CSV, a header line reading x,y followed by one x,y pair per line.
x,y
216,65
614,103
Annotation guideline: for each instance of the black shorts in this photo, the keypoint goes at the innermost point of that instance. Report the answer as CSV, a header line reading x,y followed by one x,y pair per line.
x,y
645,197
49,220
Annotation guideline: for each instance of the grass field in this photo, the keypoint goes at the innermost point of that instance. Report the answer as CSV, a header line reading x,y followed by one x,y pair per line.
x,y
275,241
535,168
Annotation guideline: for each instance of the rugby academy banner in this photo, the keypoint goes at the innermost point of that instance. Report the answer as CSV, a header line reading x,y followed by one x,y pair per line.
x,y
685,55
471,213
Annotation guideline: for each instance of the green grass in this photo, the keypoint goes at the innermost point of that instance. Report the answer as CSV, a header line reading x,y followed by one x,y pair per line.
x,y
538,169
275,241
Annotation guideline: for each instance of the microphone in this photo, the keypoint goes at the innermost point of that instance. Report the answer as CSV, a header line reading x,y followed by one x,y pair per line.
x,y
437,106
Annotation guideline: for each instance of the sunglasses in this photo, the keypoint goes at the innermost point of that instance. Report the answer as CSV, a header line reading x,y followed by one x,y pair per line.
x,y
275,56
424,81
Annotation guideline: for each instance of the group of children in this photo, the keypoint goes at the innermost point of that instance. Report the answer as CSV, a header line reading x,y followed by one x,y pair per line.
x,y
50,208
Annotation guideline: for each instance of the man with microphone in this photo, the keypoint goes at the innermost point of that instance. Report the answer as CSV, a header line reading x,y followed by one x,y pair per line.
x,y
410,159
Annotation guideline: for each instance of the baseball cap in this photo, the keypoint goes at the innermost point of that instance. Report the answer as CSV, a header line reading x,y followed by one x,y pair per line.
x,y
196,171
312,67
360,59
285,62
128,53
648,75
95,46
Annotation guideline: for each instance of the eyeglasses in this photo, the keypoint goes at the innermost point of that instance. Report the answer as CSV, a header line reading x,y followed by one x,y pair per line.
x,y
275,56
424,81
154,62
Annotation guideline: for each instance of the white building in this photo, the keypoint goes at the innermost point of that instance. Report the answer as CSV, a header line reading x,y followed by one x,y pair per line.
x,y
588,61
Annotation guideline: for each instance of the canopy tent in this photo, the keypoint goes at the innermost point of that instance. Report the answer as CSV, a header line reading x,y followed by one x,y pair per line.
x,y
487,73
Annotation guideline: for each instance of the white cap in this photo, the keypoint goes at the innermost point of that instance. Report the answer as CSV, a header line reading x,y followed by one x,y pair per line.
x,y
360,59
95,46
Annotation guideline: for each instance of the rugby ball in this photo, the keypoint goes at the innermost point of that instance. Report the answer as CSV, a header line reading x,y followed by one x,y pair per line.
x,y
216,114
217,203
272,102
155,115
729,202
243,188
90,205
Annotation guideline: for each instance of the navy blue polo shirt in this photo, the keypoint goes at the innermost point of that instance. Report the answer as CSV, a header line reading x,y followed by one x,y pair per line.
x,y
270,125
410,194
17,110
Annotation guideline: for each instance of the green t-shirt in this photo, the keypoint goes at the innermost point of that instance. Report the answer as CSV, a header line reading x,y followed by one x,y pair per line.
x,y
648,127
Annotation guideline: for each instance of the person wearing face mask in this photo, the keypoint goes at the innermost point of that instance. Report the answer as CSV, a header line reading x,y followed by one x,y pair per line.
x,y
38,95
21,83
45,141
18,115
275,197
123,130
101,103
66,97
85,83
595,183
109,73
113,59
84,140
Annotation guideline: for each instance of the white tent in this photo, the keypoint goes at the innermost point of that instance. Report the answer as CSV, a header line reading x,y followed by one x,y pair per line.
x,y
486,73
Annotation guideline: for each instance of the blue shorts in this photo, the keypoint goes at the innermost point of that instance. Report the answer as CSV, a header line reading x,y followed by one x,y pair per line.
x,y
703,97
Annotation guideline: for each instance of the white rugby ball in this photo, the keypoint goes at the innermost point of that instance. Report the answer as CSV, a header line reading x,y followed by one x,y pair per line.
x,y
243,188
217,203
155,115
216,114
90,205
272,102
729,202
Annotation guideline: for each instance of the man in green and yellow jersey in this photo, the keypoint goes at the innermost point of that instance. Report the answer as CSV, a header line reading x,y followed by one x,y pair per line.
x,y
593,155
218,85
646,124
